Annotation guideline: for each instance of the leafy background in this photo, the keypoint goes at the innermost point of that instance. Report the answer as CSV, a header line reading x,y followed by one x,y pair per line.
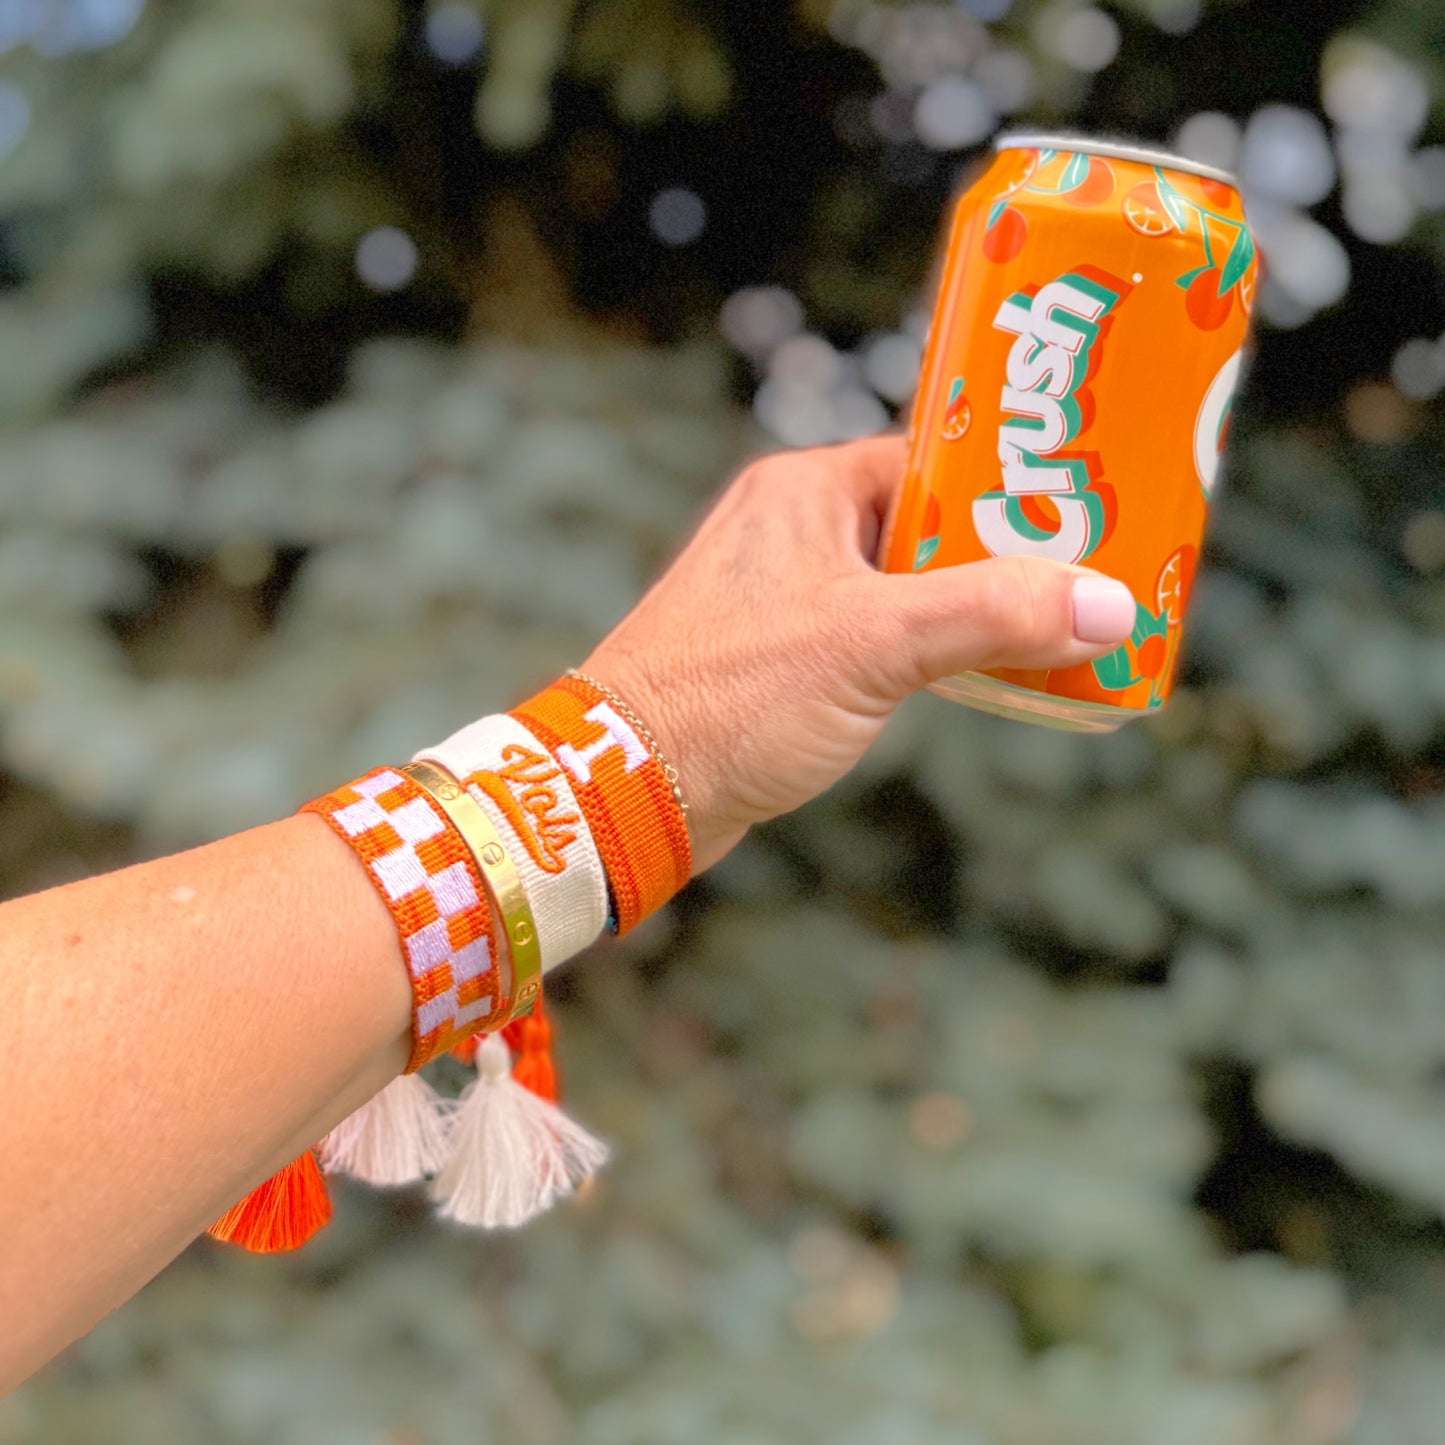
x,y
359,362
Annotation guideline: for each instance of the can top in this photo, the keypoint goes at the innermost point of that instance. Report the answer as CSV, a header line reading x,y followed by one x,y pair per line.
x,y
1119,149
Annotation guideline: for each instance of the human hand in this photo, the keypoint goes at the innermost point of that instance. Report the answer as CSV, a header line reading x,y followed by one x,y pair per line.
x,y
770,654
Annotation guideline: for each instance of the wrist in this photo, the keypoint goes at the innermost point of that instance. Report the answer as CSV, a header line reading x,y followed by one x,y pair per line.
x,y
664,706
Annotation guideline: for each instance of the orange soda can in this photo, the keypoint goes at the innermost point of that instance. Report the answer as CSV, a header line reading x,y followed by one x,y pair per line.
x,y
1075,398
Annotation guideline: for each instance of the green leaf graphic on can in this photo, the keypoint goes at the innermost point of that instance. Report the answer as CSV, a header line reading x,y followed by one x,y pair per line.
x,y
1075,173
1147,625
926,548
1114,670
1237,262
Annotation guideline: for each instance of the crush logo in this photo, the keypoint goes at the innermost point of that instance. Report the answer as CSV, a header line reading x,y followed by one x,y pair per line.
x,y
1048,505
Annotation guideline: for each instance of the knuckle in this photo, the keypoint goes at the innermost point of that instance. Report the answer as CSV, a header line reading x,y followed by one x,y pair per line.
x,y
996,600
1012,607
754,478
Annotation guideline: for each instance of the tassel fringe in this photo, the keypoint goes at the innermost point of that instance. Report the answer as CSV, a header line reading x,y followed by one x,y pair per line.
x,y
513,1152
502,1153
397,1137
280,1214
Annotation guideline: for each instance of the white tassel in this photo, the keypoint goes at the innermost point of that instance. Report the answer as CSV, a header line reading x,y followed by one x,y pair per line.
x,y
513,1154
397,1137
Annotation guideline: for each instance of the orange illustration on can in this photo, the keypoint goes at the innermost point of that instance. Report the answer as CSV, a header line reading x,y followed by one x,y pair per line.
x,y
1075,398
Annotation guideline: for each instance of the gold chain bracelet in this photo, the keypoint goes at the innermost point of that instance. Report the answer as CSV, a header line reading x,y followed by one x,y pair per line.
x,y
668,771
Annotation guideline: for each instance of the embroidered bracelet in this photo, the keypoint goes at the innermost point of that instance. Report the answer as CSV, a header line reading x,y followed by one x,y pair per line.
x,y
527,796
426,874
643,731
627,800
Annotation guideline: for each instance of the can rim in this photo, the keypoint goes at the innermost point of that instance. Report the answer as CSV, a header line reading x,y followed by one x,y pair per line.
x,y
1116,149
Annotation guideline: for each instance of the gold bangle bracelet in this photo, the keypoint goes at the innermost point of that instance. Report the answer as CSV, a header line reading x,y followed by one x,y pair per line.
x,y
503,881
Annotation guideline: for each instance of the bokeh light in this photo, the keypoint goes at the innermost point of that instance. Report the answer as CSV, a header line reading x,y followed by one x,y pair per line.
x,y
797,417
890,365
1418,369
757,319
1175,17
54,28
18,22
952,113
1211,138
386,258
1308,268
856,413
1377,414
454,34
1007,78
1378,205
677,216
1085,38
813,394
807,362
1367,87
1423,542
1286,156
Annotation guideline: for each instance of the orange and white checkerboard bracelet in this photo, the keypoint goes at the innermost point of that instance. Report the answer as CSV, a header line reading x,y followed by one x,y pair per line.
x,y
432,884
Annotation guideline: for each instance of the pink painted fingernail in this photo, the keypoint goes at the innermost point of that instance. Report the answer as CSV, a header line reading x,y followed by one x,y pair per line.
x,y
1103,610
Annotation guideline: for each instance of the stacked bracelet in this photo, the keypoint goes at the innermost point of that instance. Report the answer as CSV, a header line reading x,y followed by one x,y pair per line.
x,y
622,790
668,771
509,898
499,852
432,883
528,796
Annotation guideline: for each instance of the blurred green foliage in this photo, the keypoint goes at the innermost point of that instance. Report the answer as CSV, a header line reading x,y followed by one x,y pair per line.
x,y
1027,1089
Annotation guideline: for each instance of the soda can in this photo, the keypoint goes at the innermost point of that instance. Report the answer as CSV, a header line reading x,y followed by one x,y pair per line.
x,y
1075,398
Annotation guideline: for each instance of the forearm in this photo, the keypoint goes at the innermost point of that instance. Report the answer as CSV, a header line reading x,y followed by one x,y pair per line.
x,y
170,1035
173,1034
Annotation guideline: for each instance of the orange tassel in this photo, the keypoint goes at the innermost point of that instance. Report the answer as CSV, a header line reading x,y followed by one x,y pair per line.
x,y
530,1039
280,1214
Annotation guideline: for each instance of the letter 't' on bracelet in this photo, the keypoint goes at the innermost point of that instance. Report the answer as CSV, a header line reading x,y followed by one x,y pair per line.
x,y
631,808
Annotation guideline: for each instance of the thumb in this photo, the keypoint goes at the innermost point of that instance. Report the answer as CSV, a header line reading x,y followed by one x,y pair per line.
x,y
1007,612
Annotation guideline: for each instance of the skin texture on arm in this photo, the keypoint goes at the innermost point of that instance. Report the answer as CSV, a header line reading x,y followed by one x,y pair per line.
x,y
172,1034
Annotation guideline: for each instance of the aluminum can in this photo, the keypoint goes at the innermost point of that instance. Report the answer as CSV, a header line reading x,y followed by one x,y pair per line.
x,y
1075,398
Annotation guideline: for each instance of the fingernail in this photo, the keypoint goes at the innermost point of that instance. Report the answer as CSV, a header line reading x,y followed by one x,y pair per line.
x,y
1103,610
